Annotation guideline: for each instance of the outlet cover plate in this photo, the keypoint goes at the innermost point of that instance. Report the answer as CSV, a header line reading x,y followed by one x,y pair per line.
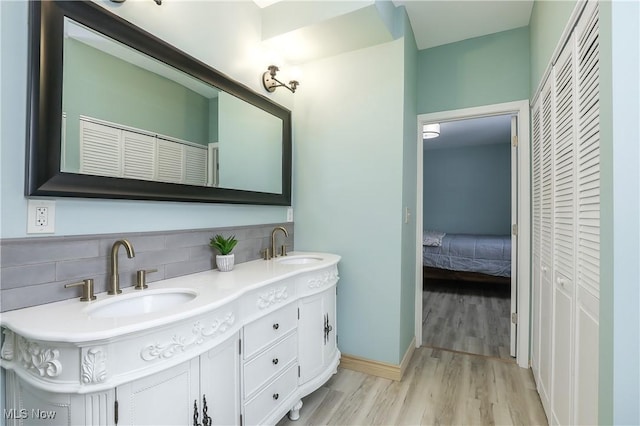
x,y
41,217
289,214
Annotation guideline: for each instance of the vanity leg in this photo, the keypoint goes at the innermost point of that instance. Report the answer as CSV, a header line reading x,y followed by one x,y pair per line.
x,y
294,414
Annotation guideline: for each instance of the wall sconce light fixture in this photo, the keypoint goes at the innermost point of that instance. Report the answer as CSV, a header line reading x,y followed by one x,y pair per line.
x,y
270,81
430,131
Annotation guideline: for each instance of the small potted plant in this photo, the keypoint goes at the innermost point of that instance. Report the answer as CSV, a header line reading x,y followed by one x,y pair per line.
x,y
225,259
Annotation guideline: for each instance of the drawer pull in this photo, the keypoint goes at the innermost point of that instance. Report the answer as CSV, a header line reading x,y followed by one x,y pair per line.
x,y
276,326
276,396
275,361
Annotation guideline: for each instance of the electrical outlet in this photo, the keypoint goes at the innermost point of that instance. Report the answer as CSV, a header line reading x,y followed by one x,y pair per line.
x,y
41,217
290,214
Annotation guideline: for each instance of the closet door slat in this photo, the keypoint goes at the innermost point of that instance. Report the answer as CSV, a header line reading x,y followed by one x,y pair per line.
x,y
139,156
564,163
195,168
546,199
100,149
588,150
537,178
170,161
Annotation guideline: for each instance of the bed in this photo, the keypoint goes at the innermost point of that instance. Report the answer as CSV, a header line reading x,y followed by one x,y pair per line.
x,y
484,258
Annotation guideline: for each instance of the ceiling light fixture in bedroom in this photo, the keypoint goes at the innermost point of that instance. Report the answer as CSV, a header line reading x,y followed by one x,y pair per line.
x,y
430,131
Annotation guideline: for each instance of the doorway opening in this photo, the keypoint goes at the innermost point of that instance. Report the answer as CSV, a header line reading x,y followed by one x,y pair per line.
x,y
467,269
472,254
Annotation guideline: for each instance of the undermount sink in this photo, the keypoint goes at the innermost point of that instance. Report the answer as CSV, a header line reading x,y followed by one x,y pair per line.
x,y
298,260
140,303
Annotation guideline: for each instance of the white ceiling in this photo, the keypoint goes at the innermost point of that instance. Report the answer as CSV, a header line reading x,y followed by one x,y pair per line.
x,y
438,22
434,23
472,132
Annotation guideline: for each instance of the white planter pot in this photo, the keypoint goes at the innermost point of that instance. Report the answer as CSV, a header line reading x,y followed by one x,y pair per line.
x,y
225,262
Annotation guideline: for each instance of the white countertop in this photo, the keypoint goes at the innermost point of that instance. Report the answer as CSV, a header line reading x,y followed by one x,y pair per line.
x,y
68,321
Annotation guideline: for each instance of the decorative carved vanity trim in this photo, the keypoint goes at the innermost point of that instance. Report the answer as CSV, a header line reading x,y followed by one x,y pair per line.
x,y
179,344
113,357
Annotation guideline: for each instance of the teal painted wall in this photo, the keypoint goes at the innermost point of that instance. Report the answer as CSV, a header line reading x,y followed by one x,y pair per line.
x,y
409,186
102,86
468,179
548,20
348,161
214,21
625,110
480,71
250,146
606,385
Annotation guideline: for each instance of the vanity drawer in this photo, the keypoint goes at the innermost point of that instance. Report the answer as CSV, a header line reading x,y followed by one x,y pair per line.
x,y
259,407
269,364
261,333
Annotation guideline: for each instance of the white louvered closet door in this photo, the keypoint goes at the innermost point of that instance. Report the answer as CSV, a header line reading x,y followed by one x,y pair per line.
x,y
195,165
546,242
100,149
588,216
536,211
139,161
563,233
170,157
566,228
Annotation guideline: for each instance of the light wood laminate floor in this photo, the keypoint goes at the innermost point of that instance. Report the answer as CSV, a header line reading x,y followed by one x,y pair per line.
x,y
468,317
439,388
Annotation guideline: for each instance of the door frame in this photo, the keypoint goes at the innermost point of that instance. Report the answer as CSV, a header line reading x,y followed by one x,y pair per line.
x,y
523,266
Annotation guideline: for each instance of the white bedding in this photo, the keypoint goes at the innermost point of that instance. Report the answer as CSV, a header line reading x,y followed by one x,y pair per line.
x,y
487,254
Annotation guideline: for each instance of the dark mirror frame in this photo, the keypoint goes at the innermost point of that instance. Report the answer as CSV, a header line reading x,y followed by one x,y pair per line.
x,y
44,115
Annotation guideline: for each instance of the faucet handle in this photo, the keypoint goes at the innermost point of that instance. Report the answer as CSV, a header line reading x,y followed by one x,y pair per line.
x,y
266,253
142,278
283,250
87,289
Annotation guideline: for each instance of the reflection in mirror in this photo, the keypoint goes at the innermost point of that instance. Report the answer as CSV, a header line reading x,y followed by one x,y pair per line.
x,y
127,115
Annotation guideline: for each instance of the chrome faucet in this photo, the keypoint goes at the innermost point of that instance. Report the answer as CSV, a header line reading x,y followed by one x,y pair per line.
x,y
114,278
273,239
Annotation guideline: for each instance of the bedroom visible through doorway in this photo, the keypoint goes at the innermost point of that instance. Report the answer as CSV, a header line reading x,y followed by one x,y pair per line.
x,y
473,195
467,237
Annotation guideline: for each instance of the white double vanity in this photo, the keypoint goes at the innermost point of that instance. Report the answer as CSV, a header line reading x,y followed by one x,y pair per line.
x,y
240,347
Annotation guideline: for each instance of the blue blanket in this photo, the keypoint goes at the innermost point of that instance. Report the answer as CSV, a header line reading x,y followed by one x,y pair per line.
x,y
487,254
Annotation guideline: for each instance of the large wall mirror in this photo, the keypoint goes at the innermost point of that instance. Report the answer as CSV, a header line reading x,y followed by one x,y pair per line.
x,y
115,112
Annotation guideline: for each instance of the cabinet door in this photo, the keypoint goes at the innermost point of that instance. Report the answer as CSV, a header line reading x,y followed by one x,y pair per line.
x,y
100,149
30,406
164,398
139,159
195,165
317,331
220,382
170,157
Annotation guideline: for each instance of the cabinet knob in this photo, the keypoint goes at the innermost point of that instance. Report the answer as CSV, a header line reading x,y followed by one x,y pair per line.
x,y
276,326
276,396
275,361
